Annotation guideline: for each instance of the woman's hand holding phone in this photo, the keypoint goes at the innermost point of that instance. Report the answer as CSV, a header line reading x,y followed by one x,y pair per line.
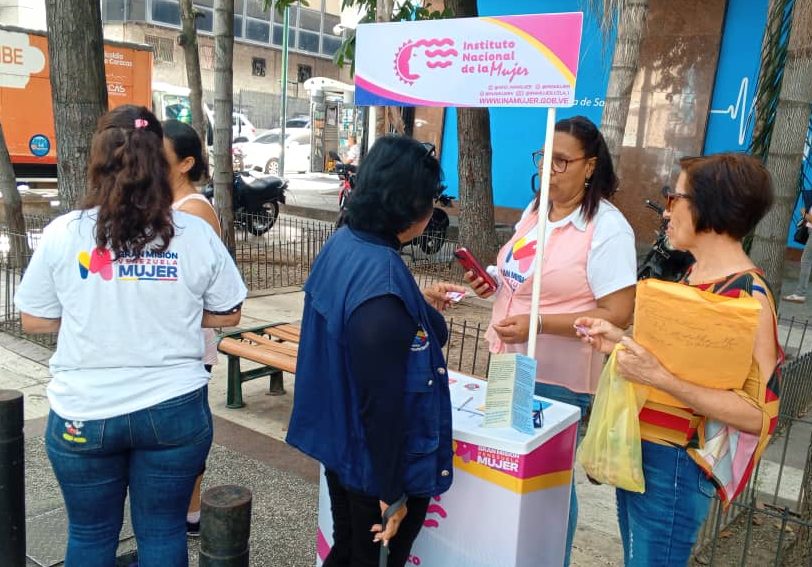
x,y
481,282
478,284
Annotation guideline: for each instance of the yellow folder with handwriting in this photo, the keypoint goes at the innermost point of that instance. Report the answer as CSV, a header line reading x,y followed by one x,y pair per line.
x,y
700,337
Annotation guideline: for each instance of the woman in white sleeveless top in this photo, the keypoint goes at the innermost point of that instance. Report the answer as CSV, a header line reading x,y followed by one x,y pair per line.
x,y
184,152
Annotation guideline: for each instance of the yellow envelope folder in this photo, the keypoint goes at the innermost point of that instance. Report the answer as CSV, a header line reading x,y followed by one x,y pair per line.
x,y
701,337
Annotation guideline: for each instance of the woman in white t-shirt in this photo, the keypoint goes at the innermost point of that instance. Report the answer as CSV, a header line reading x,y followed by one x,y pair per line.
x,y
184,152
589,268
127,283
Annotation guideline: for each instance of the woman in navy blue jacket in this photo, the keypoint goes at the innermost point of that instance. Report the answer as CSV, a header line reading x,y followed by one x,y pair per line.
x,y
372,402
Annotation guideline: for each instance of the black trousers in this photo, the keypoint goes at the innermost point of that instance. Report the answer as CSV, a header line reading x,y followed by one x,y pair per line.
x,y
353,516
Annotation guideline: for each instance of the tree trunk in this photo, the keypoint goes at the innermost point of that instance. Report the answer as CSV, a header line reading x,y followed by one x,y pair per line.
x,y
192,56
223,108
630,31
76,55
768,77
13,208
383,13
477,225
786,151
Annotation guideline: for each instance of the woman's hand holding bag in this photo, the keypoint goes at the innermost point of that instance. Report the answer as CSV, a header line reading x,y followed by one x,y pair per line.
x,y
611,451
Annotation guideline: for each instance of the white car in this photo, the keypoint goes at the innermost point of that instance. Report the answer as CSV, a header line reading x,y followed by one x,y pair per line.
x,y
263,152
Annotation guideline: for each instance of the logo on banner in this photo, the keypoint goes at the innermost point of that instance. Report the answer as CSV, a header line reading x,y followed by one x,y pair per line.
x,y
411,57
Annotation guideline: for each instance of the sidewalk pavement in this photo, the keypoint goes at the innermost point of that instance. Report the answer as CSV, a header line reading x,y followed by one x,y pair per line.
x,y
249,450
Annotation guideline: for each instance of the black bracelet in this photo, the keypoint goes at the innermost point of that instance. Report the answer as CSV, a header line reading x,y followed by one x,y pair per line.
x,y
231,311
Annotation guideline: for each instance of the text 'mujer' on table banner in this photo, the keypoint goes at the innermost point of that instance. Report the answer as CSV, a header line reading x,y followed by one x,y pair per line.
x,y
698,336
529,60
509,397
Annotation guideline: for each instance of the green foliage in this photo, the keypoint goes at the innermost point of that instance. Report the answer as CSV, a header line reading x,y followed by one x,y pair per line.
x,y
410,10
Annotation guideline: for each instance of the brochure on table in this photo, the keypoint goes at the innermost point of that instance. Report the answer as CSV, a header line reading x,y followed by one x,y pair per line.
x,y
509,503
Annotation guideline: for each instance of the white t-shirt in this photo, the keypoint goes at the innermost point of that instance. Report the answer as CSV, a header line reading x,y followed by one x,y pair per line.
x,y
612,260
130,331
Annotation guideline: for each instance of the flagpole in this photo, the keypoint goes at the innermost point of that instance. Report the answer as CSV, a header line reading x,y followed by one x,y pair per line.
x,y
544,200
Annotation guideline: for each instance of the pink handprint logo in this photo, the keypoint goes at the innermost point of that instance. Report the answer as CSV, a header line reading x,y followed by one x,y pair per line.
x,y
410,57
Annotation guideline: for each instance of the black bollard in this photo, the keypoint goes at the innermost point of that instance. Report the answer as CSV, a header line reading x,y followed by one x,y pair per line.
x,y
12,480
225,526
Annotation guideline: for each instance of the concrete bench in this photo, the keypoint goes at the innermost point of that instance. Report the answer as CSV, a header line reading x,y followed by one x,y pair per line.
x,y
274,347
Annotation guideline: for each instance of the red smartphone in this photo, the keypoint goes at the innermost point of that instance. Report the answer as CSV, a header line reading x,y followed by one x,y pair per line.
x,y
471,264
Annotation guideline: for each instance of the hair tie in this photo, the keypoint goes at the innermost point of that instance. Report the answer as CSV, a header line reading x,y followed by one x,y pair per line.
x,y
141,123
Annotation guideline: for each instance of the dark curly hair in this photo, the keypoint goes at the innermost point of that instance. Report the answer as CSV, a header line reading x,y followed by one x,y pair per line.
x,y
128,182
603,183
396,186
186,143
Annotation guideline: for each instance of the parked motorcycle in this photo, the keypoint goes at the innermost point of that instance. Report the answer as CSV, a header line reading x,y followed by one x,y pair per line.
x,y
346,174
255,200
662,261
434,236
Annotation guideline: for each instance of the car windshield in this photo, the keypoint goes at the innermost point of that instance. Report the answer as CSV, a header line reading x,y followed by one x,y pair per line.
x,y
272,138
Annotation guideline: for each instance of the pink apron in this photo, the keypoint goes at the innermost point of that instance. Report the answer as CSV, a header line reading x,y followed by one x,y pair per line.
x,y
561,361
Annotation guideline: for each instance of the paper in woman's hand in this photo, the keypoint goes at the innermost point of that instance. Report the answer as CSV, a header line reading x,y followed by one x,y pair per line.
x,y
698,336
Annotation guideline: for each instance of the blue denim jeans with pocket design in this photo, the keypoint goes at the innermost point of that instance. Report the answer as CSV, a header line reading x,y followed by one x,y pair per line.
x,y
156,453
659,527
582,401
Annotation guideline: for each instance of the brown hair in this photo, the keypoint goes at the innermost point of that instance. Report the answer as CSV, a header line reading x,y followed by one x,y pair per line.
x,y
730,192
128,182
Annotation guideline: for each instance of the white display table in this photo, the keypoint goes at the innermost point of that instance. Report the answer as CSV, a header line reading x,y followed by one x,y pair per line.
x,y
509,503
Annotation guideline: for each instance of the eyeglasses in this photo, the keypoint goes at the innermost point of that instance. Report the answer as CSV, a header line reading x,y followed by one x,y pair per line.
x,y
431,150
559,164
671,197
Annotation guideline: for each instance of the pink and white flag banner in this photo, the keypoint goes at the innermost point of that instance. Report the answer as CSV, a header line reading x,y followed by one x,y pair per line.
x,y
529,60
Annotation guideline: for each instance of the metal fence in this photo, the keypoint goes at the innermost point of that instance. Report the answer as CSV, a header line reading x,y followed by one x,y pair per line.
x,y
282,256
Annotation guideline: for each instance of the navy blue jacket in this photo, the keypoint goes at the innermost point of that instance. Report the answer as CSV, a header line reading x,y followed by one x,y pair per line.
x,y
326,421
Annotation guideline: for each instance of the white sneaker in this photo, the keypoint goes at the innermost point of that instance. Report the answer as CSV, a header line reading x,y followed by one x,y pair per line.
x,y
795,298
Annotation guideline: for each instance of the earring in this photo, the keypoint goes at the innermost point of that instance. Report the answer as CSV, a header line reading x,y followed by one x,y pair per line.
x,y
587,182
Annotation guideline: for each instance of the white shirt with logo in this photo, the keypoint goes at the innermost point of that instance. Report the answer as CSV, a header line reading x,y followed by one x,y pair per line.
x,y
130,327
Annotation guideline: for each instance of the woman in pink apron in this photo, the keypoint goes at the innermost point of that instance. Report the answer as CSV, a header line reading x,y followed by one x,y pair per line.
x,y
589,270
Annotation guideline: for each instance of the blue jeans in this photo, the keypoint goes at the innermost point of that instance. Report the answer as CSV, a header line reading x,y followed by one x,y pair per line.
x,y
659,527
157,453
582,401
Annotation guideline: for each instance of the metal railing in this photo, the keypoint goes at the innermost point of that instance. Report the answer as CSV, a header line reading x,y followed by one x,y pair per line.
x,y
762,526
282,256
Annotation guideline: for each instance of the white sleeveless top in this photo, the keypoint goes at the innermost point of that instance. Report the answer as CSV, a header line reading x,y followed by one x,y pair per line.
x,y
209,335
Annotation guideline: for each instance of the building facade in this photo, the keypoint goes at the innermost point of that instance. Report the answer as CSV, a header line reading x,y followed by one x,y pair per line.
x,y
258,36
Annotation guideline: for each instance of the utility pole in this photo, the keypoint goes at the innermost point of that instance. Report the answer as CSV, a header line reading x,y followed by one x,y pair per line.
x,y
284,109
